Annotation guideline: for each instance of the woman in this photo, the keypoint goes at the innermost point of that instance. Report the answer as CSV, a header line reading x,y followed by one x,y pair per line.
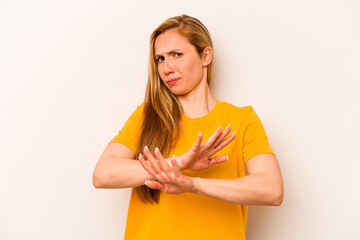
x,y
183,187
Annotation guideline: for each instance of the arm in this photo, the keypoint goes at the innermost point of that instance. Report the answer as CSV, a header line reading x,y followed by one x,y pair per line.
x,y
117,168
262,186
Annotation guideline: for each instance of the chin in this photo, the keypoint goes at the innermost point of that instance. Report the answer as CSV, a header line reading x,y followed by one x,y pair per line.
x,y
178,92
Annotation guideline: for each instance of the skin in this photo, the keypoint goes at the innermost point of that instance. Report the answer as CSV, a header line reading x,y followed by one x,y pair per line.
x,y
178,59
117,168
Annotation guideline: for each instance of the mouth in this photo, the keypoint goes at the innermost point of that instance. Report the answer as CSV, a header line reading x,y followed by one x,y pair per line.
x,y
172,81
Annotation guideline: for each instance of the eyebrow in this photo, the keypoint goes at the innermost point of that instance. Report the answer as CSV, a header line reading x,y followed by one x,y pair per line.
x,y
167,53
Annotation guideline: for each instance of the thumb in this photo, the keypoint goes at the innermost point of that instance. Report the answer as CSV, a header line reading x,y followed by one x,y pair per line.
x,y
154,184
218,159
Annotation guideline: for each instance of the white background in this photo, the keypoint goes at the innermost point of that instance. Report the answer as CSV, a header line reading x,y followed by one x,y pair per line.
x,y
71,72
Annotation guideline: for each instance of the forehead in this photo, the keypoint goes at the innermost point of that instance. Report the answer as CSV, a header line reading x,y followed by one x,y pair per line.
x,y
169,41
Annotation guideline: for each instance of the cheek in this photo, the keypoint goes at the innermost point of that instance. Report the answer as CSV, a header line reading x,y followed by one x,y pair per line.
x,y
160,72
193,68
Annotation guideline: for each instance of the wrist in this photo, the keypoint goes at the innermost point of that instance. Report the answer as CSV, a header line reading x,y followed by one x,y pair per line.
x,y
180,164
196,182
178,160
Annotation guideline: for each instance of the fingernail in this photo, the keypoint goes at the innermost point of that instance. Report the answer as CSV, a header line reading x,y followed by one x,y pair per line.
x,y
146,182
227,158
228,126
199,133
233,133
140,155
157,149
146,148
173,156
219,127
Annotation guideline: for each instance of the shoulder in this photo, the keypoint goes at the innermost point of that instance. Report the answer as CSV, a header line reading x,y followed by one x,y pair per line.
x,y
136,114
240,111
139,109
235,115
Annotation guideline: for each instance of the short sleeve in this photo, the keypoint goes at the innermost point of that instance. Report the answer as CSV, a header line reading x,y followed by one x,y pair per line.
x,y
130,132
255,140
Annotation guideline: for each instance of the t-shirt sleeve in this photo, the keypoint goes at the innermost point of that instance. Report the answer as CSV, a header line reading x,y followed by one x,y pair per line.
x,y
130,132
255,140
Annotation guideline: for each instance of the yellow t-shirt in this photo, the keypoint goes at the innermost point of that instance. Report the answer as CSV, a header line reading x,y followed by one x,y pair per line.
x,y
187,215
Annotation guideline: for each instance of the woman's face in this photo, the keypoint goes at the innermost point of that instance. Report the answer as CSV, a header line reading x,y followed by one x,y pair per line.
x,y
180,66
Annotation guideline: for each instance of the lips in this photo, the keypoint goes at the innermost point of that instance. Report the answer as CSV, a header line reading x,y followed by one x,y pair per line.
x,y
172,81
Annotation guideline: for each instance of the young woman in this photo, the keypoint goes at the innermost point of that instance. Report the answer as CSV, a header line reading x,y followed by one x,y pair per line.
x,y
184,153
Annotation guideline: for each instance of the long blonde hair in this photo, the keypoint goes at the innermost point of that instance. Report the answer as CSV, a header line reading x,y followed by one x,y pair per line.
x,y
162,110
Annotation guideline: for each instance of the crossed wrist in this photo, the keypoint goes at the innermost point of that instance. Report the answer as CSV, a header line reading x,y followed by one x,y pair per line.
x,y
180,164
178,160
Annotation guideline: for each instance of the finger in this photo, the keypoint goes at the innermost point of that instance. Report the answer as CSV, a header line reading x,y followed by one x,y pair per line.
x,y
218,159
146,166
165,168
176,171
161,178
210,141
195,147
158,173
222,136
228,140
154,162
154,185
162,162
225,142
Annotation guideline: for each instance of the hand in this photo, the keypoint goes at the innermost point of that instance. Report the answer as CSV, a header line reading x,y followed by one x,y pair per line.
x,y
199,157
169,177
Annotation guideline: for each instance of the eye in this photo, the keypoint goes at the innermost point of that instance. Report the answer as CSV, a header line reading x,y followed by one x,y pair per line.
x,y
160,59
178,54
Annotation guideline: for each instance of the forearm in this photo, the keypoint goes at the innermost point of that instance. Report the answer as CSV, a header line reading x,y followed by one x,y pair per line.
x,y
120,173
249,190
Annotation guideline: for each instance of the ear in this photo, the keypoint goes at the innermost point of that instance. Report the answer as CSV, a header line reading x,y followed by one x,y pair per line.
x,y
207,56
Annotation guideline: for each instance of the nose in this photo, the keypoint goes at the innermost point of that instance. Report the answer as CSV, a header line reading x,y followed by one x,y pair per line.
x,y
168,67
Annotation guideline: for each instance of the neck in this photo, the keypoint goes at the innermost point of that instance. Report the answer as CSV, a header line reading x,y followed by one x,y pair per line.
x,y
198,102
